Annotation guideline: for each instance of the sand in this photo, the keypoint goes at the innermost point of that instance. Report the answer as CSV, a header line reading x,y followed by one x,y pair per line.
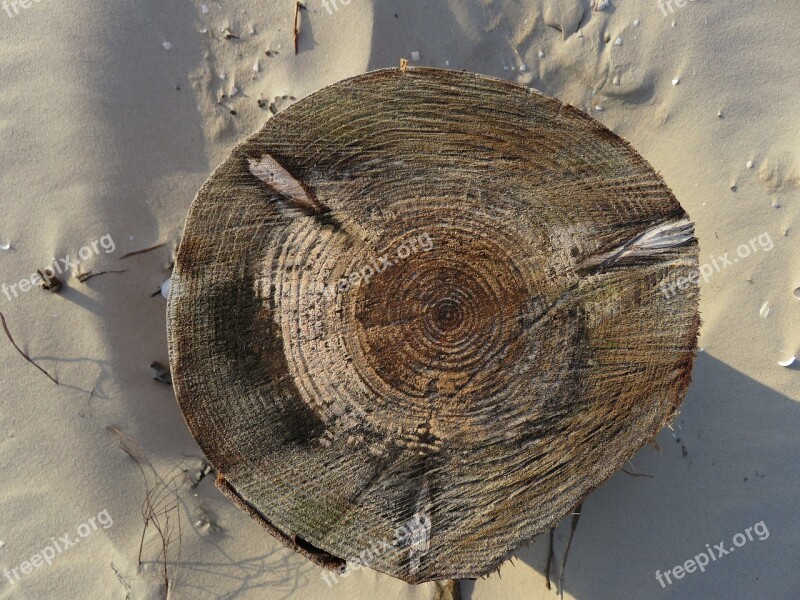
x,y
112,116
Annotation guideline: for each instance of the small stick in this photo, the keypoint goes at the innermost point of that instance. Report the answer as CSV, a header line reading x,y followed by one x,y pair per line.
x,y
297,7
575,518
25,356
150,249
87,276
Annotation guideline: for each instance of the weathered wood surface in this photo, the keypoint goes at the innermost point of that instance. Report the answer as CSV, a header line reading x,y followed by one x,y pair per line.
x,y
478,388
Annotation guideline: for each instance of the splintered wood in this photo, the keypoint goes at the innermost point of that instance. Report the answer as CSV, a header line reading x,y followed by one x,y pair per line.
x,y
424,408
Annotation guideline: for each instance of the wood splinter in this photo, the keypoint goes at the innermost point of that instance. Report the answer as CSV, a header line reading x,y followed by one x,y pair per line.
x,y
279,179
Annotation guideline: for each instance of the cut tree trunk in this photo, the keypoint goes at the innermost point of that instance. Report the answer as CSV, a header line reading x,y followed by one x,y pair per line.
x,y
421,314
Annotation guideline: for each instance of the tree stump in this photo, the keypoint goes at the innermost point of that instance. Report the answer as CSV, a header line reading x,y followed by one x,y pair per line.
x,y
421,314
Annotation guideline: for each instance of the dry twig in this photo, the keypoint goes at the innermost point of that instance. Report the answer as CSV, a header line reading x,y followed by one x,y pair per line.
x,y
297,8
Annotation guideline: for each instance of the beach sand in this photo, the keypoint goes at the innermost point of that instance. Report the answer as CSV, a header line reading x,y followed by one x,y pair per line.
x,y
113,114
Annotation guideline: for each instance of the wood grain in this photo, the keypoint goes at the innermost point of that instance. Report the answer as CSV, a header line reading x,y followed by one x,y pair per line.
x,y
482,384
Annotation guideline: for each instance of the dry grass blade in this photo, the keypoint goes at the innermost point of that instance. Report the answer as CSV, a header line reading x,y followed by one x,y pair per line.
x,y
160,509
576,516
549,560
637,474
83,278
25,356
145,250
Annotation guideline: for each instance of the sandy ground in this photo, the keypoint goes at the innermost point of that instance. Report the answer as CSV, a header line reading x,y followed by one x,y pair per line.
x,y
114,113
